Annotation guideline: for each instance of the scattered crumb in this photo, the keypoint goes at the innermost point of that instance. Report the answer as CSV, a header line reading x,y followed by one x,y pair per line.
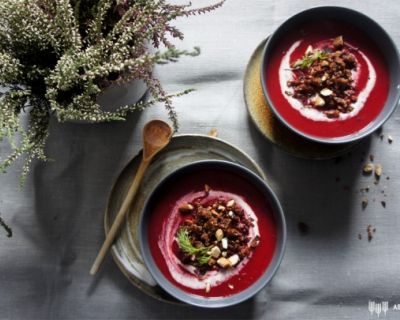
x,y
303,228
383,203
371,157
370,232
390,139
359,236
368,168
381,136
213,133
378,170
364,203
387,178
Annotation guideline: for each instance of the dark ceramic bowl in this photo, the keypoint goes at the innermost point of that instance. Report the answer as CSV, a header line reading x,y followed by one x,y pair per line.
x,y
373,31
277,213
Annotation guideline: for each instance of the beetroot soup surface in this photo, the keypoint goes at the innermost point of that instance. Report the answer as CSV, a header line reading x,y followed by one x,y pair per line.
x,y
219,181
313,33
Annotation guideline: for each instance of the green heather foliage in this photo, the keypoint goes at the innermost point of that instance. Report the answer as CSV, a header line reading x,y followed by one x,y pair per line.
x,y
56,56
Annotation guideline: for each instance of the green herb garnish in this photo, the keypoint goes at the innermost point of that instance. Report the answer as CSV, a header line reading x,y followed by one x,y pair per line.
x,y
186,246
309,58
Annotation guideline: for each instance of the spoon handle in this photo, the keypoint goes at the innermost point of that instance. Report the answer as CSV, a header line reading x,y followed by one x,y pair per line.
x,y
120,217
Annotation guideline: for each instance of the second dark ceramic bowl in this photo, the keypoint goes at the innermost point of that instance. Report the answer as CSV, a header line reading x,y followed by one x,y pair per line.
x,y
268,195
373,30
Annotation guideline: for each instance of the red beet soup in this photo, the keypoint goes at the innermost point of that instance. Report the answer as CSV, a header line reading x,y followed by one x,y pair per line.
x,y
215,267
327,79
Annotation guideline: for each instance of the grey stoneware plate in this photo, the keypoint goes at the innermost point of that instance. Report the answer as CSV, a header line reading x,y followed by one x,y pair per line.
x,y
373,31
268,196
270,126
183,149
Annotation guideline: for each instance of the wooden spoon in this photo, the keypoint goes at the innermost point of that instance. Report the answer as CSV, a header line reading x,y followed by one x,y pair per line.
x,y
156,136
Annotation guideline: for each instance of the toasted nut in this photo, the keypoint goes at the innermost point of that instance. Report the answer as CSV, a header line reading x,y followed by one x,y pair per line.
x,y
317,100
219,234
338,42
364,203
223,262
185,208
208,287
230,203
324,77
221,208
378,170
234,260
215,252
213,132
231,214
224,243
224,254
368,168
326,92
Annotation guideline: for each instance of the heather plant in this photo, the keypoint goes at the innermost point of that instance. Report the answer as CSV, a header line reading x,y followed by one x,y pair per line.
x,y
57,56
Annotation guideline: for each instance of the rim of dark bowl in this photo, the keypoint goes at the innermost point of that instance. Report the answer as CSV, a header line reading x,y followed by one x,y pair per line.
x,y
258,285
394,76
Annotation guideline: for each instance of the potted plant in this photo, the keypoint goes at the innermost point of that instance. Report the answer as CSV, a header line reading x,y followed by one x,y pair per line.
x,y
58,56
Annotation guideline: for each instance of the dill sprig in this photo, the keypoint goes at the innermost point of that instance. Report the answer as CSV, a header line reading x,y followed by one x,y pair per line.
x,y
309,58
186,246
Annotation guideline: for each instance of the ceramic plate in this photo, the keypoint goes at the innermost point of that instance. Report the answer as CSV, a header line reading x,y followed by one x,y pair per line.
x,y
183,149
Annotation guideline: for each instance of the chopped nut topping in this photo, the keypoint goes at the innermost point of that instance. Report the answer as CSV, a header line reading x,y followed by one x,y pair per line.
x,y
327,72
221,208
231,286
185,208
215,252
233,260
208,229
219,234
230,203
338,42
326,92
317,100
224,242
223,262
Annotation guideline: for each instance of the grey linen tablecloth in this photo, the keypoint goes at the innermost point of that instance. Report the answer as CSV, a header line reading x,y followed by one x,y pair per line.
x,y
327,273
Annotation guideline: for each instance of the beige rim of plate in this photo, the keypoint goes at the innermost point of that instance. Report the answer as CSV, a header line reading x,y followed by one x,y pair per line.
x,y
182,150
